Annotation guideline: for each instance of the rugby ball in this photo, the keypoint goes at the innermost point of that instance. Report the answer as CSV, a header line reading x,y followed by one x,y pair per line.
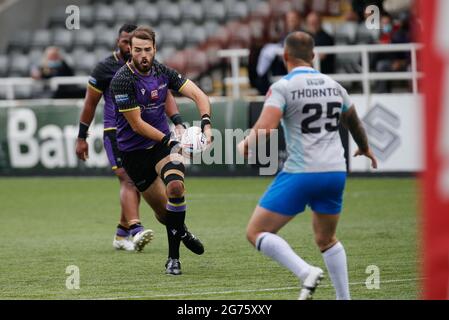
x,y
193,141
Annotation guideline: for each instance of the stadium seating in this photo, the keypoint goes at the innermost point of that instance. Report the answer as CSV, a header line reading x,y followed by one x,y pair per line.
x,y
178,25
182,27
19,65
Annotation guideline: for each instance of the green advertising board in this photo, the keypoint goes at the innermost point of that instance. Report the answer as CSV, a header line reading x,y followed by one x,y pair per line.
x,y
40,140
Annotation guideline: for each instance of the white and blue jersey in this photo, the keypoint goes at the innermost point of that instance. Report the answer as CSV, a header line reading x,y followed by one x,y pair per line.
x,y
315,171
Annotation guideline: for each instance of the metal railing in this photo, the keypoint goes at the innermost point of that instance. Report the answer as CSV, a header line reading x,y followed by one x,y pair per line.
x,y
53,83
235,80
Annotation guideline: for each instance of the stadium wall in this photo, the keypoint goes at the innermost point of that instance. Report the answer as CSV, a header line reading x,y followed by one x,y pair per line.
x,y
40,139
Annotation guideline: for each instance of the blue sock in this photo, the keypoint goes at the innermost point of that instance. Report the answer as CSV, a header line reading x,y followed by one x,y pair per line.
x,y
122,231
135,228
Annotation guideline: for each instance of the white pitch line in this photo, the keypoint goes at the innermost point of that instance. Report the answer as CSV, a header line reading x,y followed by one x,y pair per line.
x,y
211,293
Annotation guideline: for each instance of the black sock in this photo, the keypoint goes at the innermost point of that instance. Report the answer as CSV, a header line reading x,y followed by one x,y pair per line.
x,y
173,243
176,213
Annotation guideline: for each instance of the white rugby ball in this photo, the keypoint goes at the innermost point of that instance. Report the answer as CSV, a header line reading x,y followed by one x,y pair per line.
x,y
193,141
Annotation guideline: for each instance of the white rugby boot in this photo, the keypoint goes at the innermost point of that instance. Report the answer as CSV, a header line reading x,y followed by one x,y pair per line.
x,y
310,283
142,238
123,244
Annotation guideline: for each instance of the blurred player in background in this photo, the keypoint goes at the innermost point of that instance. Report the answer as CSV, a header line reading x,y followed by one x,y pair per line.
x,y
129,225
310,105
150,155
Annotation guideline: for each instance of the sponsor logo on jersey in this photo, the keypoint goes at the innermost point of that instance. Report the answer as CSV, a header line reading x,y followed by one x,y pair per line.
x,y
121,98
92,80
154,95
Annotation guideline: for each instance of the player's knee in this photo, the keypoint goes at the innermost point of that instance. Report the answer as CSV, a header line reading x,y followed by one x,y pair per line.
x,y
173,176
251,234
175,189
251,237
123,177
324,242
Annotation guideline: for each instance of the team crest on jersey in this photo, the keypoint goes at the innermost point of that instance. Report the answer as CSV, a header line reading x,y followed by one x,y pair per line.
x,y
154,95
142,91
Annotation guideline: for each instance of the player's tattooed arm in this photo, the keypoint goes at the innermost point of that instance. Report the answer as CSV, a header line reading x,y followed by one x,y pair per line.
x,y
351,121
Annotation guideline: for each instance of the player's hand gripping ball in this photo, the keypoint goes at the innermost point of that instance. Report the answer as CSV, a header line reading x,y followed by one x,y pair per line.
x,y
193,141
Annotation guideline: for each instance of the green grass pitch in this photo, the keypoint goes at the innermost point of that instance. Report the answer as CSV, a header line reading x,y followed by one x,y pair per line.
x,y
48,224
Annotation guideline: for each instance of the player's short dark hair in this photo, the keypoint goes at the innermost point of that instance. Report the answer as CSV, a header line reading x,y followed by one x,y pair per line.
x,y
127,27
144,33
299,45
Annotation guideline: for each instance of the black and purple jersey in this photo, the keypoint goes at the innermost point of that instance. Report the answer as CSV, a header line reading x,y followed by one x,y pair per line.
x,y
100,80
131,90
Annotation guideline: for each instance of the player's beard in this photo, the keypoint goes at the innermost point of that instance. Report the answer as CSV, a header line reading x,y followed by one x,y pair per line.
x,y
143,67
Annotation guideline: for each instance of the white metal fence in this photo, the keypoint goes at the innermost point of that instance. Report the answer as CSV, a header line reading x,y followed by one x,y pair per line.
x,y
235,56
53,83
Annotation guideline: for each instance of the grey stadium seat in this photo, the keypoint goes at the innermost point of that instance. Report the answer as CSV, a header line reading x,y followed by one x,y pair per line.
x,y
58,16
20,65
120,5
159,37
169,11
125,14
192,11
259,9
211,28
63,38
87,15
104,13
215,11
84,38
101,53
84,61
41,38
105,38
20,41
172,35
35,56
149,14
196,35
221,36
237,9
